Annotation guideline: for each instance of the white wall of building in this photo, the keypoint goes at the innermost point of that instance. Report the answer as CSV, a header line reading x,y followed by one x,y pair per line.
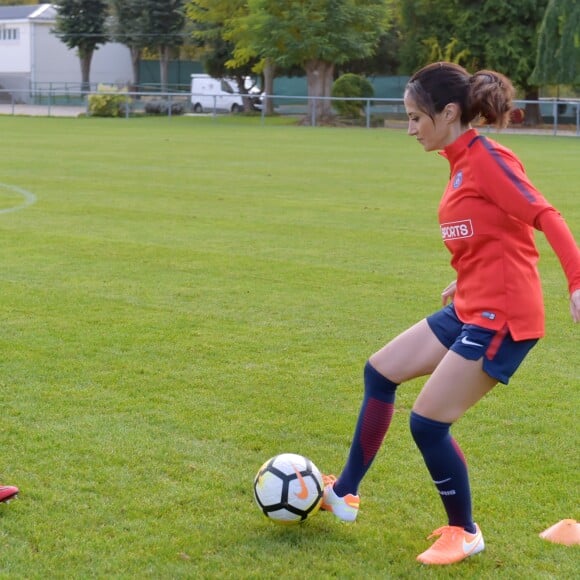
x,y
111,63
34,56
55,62
15,54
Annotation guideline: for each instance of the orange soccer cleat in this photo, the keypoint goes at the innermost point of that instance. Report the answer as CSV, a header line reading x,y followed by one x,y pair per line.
x,y
454,544
344,508
8,492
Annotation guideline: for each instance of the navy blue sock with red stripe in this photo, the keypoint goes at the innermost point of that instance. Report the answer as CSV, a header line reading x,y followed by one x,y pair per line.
x,y
373,423
447,466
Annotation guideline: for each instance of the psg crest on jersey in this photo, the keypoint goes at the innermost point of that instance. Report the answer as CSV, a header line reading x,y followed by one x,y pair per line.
x,y
458,179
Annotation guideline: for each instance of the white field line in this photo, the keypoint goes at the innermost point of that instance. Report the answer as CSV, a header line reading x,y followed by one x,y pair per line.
x,y
29,198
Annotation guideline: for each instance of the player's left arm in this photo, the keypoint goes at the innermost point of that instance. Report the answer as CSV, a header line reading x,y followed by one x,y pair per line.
x,y
564,245
504,182
575,305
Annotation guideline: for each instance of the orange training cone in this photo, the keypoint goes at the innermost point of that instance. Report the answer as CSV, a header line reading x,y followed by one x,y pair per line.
x,y
566,532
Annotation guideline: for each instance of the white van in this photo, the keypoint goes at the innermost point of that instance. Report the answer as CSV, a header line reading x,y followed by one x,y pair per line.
x,y
209,94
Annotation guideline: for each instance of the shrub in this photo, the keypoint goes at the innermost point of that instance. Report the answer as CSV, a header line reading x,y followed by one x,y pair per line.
x,y
162,107
108,102
351,85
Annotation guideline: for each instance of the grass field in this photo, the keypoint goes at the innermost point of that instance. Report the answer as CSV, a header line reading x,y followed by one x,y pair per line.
x,y
184,298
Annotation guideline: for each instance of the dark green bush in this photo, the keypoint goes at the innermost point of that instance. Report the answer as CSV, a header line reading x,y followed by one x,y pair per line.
x,y
350,85
162,107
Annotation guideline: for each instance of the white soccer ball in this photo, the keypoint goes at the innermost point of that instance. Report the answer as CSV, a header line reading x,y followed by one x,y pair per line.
x,y
288,488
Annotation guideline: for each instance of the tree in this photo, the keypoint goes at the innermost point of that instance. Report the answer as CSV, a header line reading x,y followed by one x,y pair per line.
x,y
163,23
127,28
80,24
384,60
316,35
425,27
558,57
448,53
503,36
481,33
217,30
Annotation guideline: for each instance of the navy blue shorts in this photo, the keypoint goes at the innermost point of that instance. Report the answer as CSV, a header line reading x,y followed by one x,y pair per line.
x,y
502,355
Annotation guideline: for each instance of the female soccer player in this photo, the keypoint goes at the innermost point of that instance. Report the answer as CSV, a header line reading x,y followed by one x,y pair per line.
x,y
495,314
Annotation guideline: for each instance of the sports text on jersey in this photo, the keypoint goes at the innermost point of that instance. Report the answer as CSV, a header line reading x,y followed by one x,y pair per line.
x,y
457,230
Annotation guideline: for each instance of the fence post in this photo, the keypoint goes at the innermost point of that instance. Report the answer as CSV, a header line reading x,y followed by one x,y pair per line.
x,y
264,105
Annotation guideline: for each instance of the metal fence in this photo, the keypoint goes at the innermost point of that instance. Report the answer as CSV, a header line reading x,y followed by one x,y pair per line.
x,y
559,117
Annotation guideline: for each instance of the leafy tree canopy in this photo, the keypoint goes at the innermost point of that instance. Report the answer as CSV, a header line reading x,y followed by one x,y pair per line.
x,y
218,29
128,22
558,58
316,35
503,36
81,24
426,27
477,33
163,22
295,32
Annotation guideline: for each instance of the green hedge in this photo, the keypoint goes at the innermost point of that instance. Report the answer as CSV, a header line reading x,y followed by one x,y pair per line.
x,y
351,85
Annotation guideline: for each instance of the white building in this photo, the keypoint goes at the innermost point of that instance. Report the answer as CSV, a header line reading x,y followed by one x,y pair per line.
x,y
33,58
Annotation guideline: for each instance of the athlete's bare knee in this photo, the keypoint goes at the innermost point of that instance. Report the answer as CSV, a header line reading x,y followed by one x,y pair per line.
x,y
385,364
414,353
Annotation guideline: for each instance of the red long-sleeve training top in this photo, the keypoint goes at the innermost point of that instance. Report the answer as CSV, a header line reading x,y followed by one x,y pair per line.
x,y
487,216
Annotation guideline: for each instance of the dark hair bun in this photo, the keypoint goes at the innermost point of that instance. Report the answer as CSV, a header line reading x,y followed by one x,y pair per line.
x,y
490,97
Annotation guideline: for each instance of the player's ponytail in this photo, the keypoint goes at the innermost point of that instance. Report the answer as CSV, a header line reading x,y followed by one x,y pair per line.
x,y
486,95
490,97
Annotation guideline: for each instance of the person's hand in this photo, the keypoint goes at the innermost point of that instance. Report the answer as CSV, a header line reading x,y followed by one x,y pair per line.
x,y
449,292
575,305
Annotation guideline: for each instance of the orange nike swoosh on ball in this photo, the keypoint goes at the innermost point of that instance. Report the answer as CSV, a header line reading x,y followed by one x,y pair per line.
x,y
303,493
